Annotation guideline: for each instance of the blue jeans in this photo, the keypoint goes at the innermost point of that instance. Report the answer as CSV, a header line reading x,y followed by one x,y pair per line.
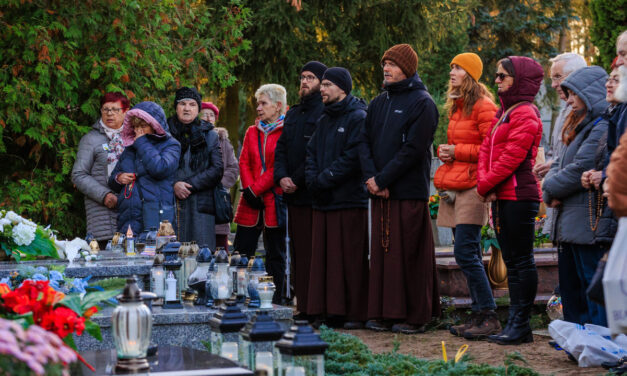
x,y
586,259
574,303
468,256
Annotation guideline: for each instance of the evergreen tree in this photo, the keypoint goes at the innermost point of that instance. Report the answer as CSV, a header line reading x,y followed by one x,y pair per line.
x,y
609,20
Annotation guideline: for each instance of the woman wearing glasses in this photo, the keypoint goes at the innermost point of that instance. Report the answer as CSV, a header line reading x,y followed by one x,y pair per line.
x,y
144,175
506,159
97,155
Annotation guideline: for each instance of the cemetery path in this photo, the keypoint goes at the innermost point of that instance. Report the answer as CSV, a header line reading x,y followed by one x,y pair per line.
x,y
539,355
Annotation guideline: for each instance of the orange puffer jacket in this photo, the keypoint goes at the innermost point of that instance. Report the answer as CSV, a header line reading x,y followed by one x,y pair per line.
x,y
466,132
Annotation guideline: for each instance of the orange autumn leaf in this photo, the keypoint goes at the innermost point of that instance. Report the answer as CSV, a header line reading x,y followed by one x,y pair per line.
x,y
125,78
129,94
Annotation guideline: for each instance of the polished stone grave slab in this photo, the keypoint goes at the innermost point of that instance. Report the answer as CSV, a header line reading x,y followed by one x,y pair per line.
x,y
186,327
168,361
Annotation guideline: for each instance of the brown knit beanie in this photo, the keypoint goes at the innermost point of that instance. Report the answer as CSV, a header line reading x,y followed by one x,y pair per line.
x,y
404,56
471,63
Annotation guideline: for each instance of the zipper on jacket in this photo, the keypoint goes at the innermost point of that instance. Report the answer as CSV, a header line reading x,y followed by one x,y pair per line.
x,y
387,113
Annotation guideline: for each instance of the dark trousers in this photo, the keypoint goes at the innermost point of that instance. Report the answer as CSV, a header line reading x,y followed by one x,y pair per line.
x,y
586,258
574,302
222,241
515,231
300,229
246,239
469,257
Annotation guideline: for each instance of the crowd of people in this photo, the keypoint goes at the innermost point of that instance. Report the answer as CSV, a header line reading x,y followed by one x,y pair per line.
x,y
348,183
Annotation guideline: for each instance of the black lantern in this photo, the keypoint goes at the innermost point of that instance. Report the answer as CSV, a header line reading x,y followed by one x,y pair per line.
x,y
157,278
225,326
301,351
172,266
233,263
242,280
257,340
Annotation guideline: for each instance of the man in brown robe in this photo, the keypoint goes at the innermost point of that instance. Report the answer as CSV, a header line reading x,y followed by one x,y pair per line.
x,y
395,155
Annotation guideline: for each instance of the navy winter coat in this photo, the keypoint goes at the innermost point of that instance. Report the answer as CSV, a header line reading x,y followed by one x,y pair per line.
x,y
397,137
154,159
291,149
332,168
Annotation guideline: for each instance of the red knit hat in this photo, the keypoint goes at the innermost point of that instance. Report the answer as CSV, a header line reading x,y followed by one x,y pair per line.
x,y
613,64
212,107
404,56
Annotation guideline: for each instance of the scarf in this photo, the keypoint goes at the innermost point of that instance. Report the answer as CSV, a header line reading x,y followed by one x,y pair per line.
x,y
193,138
114,147
267,128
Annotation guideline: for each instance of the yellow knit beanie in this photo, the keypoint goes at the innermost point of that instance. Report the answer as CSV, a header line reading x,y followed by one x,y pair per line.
x,y
471,63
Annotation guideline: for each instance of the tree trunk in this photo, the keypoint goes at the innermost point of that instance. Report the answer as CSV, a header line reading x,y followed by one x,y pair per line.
x,y
232,113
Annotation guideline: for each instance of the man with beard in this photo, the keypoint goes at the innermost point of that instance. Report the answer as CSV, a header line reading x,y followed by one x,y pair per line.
x,y
396,161
289,173
339,259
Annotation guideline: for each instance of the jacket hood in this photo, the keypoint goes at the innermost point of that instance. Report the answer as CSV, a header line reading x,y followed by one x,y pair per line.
x,y
588,83
348,104
223,134
412,83
151,113
528,78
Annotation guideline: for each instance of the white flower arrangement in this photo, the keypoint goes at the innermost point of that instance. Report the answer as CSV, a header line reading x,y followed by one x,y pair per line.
x,y
21,237
24,234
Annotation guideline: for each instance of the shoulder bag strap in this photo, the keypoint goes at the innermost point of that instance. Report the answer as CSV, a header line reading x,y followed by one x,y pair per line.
x,y
498,123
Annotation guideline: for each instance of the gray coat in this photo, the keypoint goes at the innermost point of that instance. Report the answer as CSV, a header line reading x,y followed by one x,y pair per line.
x,y
90,177
231,171
563,182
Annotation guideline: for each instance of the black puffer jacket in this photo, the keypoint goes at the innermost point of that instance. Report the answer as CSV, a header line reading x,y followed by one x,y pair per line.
x,y
332,169
395,144
291,149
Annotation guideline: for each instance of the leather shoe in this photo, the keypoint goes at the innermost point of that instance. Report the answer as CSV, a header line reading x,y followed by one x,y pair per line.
x,y
351,325
379,325
406,328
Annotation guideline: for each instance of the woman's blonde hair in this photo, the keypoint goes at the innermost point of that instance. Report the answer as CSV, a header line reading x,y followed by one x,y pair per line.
x,y
470,91
275,93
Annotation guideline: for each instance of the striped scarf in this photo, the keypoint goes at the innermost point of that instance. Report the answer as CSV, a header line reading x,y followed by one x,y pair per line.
x,y
267,128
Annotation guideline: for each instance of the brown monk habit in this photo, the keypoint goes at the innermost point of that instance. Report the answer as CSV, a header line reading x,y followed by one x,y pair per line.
x,y
300,223
403,281
339,264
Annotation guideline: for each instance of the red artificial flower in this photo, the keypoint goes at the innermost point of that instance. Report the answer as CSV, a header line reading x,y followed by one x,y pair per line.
x,y
45,319
79,326
4,288
17,302
64,321
90,312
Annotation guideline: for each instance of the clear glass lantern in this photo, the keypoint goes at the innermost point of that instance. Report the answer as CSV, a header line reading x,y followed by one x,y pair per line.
x,y
117,243
222,279
157,279
131,325
129,242
233,263
301,351
165,234
225,326
257,340
242,280
266,289
257,270
151,242
198,279
209,285
172,267
184,256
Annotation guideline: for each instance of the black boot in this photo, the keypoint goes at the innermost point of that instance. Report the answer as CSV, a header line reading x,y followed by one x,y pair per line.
x,y
513,284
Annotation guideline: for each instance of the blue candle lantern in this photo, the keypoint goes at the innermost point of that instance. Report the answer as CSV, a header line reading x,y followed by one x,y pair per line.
x,y
225,326
257,340
257,270
198,279
301,351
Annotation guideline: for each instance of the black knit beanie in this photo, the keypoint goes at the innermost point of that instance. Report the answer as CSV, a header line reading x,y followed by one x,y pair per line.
x,y
340,77
187,93
315,67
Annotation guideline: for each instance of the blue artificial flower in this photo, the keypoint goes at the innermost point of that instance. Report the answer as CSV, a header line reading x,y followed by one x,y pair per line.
x,y
55,276
39,277
41,269
6,280
55,284
78,285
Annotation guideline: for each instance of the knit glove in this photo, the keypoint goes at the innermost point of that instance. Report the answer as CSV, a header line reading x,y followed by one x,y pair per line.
x,y
252,200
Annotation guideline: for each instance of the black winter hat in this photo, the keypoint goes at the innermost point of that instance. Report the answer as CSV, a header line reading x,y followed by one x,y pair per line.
x,y
315,67
340,77
188,93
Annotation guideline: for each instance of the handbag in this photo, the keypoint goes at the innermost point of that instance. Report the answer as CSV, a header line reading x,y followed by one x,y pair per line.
x,y
222,204
279,204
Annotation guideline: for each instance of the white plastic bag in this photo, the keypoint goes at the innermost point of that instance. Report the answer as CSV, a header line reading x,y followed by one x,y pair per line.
x,y
590,344
615,281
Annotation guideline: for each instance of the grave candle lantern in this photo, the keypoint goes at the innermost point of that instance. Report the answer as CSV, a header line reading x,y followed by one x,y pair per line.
x,y
225,326
301,349
257,340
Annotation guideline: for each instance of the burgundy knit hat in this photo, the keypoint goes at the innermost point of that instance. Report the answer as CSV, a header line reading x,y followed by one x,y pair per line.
x,y
404,56
212,107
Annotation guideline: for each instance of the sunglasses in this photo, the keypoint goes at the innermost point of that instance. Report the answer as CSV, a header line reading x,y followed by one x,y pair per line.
x,y
501,76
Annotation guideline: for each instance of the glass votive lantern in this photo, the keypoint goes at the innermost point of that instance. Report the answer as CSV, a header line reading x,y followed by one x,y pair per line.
x,y
210,283
242,280
172,266
233,263
165,234
301,351
157,279
198,279
131,325
265,289
225,326
129,242
257,340
256,270
222,281
117,243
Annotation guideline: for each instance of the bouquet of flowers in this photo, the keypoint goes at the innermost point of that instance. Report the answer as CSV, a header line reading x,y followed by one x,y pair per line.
x,y
32,351
21,238
434,205
540,237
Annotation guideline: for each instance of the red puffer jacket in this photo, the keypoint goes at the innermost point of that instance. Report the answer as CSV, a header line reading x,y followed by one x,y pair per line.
x,y
253,176
508,154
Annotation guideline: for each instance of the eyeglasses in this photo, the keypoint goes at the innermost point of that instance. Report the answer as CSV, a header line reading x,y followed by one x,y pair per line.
x,y
501,76
106,110
307,78
557,78
612,80
326,85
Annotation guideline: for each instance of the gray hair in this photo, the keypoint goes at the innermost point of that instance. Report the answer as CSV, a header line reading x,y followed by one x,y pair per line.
x,y
621,36
621,91
572,61
276,93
